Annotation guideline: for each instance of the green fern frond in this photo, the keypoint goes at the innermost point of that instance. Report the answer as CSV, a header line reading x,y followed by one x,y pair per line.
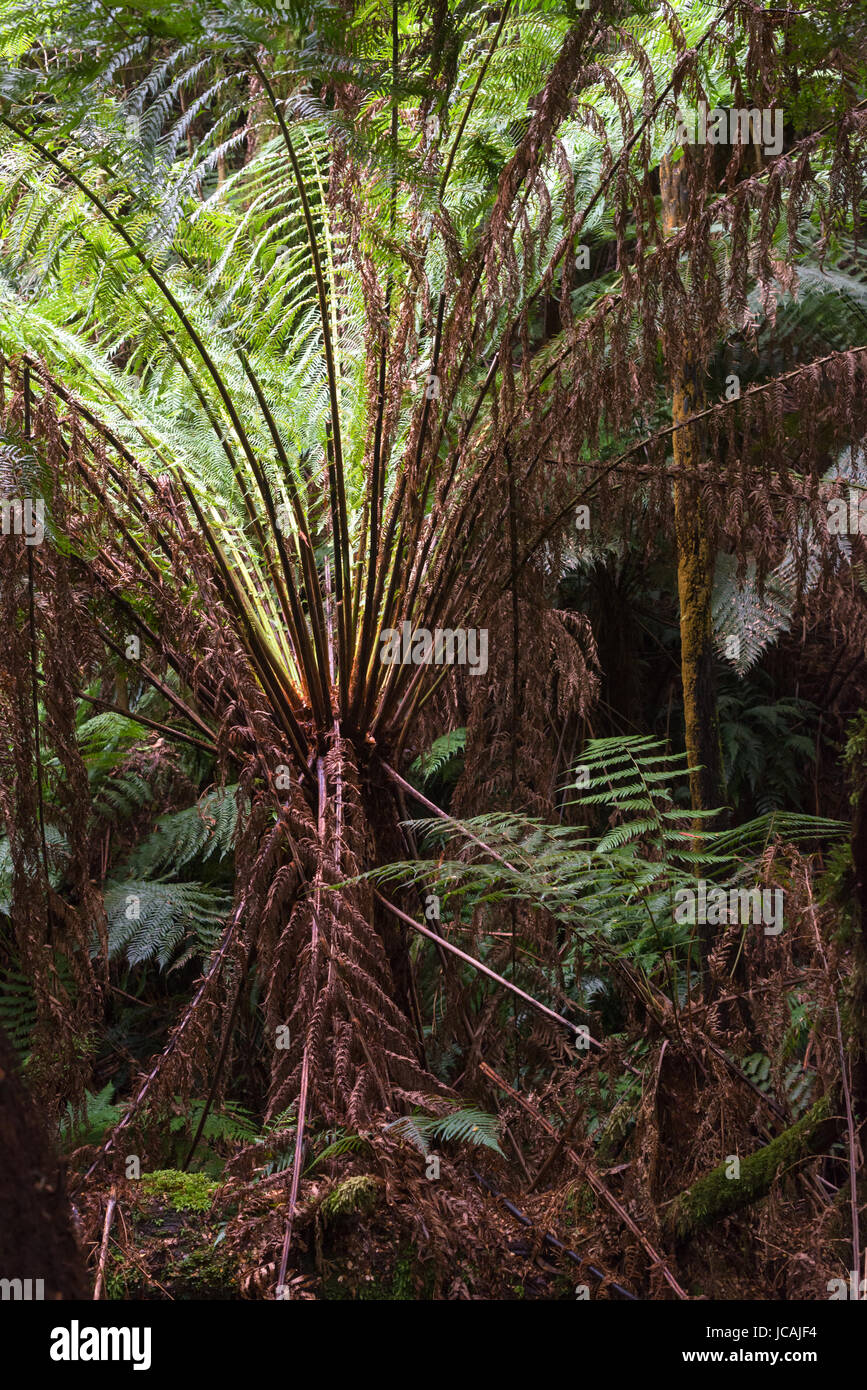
x,y
150,920
99,1117
204,831
465,1125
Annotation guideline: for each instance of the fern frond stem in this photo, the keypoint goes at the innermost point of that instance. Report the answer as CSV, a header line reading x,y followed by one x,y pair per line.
x,y
220,433
150,269
258,654
305,544
398,597
485,970
412,703
154,680
164,729
554,1153
472,98
205,694
102,429
135,546
218,1069
340,590
341,528
178,309
94,486
377,477
305,1061
443,815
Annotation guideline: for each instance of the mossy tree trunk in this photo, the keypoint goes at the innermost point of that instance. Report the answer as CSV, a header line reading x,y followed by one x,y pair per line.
x,y
695,566
695,552
719,1193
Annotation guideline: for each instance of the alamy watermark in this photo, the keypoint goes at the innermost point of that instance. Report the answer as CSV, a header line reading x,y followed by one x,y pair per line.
x,y
77,1343
713,905
26,1290
408,646
23,517
851,519
732,126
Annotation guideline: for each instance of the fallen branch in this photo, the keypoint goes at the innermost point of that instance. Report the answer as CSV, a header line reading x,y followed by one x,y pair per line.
x,y
106,1231
716,1195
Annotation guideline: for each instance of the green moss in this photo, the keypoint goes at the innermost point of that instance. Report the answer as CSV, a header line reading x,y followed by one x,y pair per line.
x,y
183,1191
356,1196
205,1272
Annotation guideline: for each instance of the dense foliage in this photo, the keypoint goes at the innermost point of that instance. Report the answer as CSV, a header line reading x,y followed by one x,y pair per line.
x,y
328,330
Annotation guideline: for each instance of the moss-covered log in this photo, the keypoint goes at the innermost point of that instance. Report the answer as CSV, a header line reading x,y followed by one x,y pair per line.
x,y
716,1195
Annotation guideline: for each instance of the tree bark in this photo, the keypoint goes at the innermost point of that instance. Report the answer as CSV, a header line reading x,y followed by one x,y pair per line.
x,y
695,571
695,553
37,1238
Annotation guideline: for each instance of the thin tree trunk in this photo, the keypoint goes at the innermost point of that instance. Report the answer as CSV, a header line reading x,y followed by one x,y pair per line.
x,y
695,570
695,554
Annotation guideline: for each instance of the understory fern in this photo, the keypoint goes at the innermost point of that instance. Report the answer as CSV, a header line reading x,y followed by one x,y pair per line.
x,y
617,890
465,1125
171,923
204,831
100,1116
443,761
17,1009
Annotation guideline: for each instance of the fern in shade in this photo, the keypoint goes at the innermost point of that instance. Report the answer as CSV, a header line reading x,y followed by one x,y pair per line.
x,y
615,890
465,1125
204,831
172,923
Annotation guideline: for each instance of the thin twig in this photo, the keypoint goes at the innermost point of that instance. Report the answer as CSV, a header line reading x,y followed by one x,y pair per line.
x,y
106,1231
578,1029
